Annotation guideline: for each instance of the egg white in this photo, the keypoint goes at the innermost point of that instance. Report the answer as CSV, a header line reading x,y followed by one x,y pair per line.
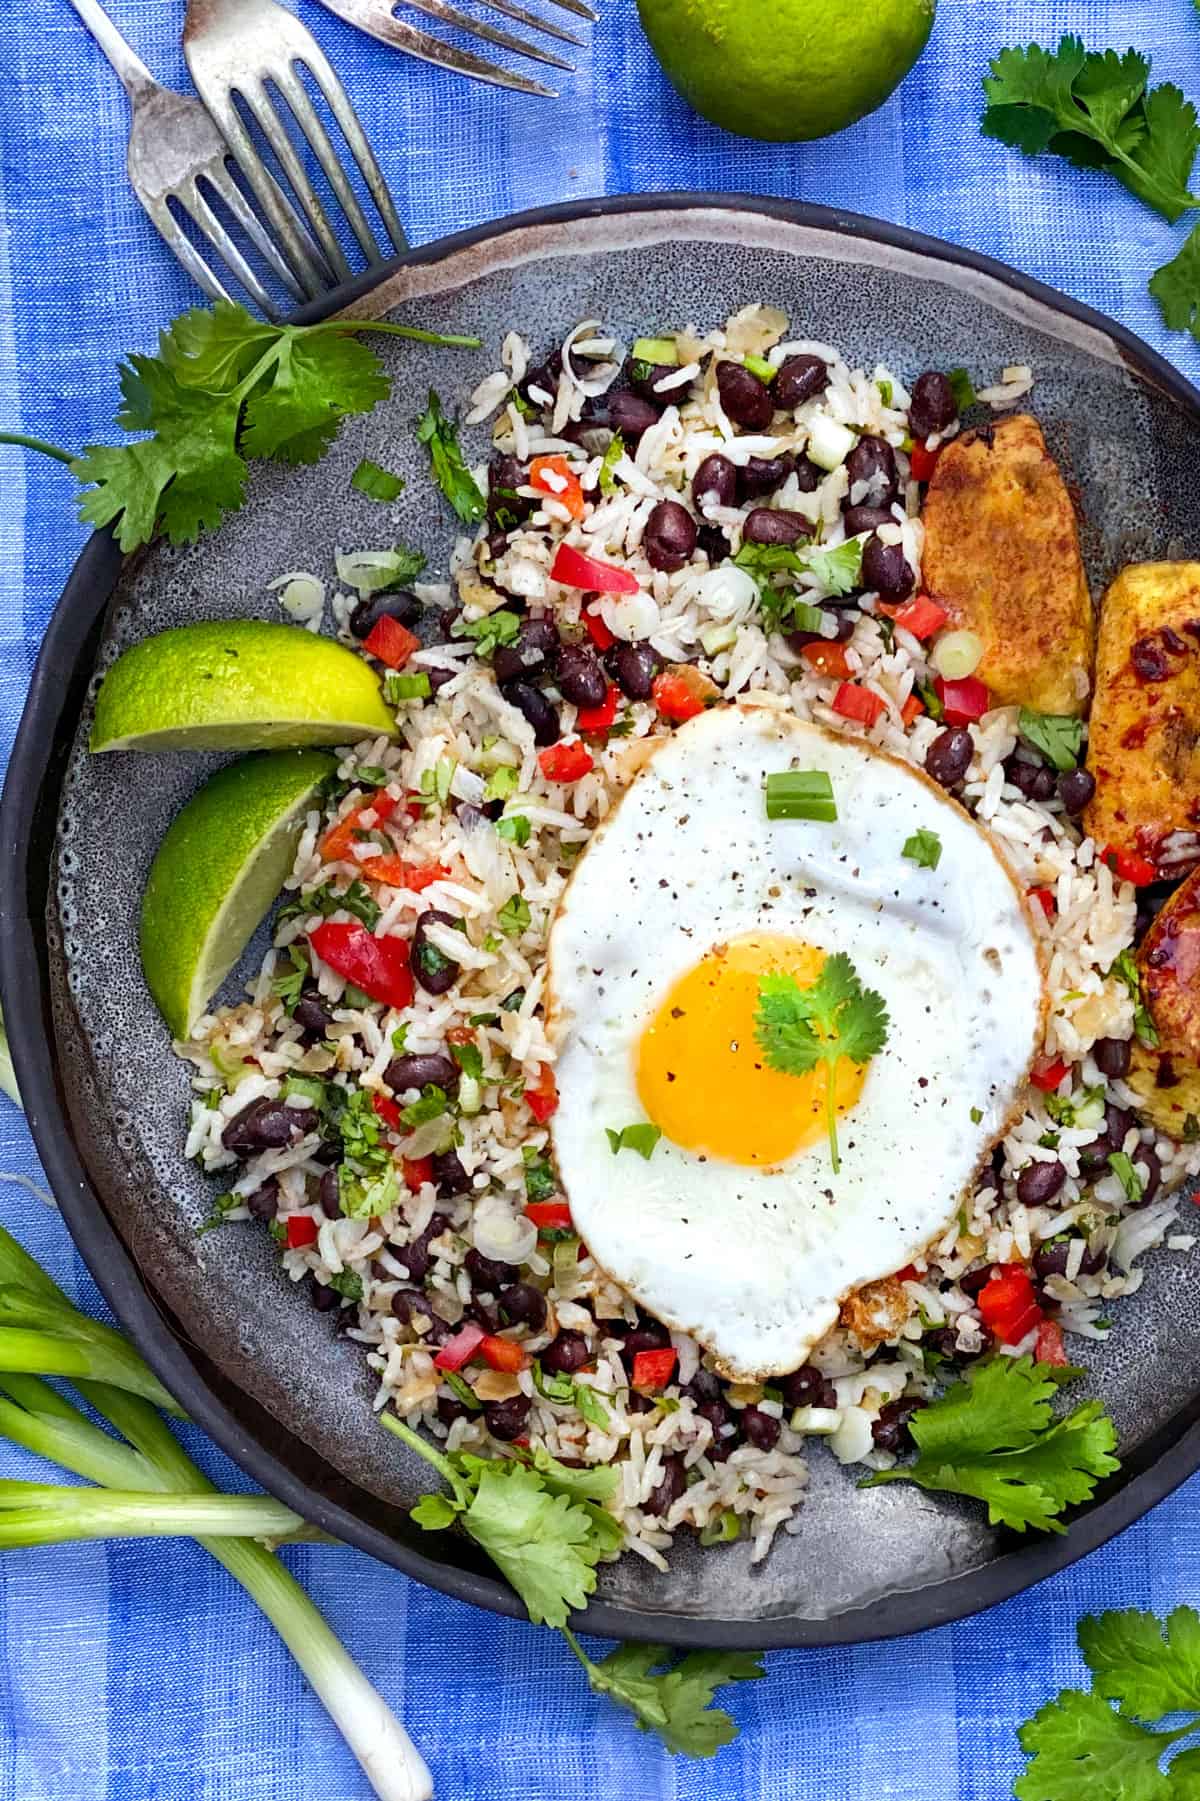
x,y
755,1262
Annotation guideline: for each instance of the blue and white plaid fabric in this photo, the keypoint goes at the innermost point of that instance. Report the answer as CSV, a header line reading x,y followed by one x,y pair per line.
x,y
136,1672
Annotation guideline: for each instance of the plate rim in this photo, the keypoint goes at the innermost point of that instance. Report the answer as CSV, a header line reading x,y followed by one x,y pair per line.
x,y
35,768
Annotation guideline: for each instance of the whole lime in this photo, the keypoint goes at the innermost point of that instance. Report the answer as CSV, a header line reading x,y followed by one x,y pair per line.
x,y
785,70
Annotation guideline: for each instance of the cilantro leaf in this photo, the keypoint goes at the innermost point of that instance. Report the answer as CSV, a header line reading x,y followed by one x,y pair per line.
x,y
641,1137
500,627
440,437
327,899
924,849
838,570
1121,1165
993,1436
288,983
963,389
1150,1669
514,916
1176,287
833,1017
376,482
1083,1751
1056,735
675,1702
1126,970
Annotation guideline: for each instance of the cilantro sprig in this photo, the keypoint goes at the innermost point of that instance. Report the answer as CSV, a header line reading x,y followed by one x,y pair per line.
x,y
994,1436
224,388
834,1017
440,438
1083,1750
673,1702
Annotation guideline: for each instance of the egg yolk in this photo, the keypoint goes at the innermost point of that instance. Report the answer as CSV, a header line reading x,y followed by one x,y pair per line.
x,y
701,1075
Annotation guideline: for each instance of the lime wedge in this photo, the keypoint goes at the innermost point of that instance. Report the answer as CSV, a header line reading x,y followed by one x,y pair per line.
x,y
223,861
238,684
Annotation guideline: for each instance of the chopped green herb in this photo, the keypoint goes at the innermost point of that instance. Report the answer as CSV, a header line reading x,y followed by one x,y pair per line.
x,y
924,849
327,900
514,827
540,1180
641,1138
223,1205
502,783
608,467
308,1088
484,1019
554,1387
431,1105
928,696
839,569
399,688
288,983
514,916
1126,970
1191,1129
440,437
962,388
347,1284
500,627
1050,1141
375,482
834,1017
1056,735
436,782
459,1386
886,392
469,1058
592,1407
800,794
976,1117
362,1131
361,1199
1121,1165
370,571
400,1038
512,1003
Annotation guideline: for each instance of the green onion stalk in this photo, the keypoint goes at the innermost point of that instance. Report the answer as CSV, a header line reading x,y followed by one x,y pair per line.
x,y
149,1485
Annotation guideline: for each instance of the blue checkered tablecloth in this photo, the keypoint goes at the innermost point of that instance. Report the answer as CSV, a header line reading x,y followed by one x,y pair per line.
x,y
136,1672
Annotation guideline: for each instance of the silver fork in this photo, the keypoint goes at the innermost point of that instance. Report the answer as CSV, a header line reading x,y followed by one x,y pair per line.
x,y
235,48
378,18
175,153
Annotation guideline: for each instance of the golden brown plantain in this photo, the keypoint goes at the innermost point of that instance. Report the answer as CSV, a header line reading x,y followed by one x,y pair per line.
x,y
1167,1079
1142,748
1002,557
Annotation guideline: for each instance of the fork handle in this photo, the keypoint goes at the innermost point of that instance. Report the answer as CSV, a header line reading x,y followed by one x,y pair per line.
x,y
124,59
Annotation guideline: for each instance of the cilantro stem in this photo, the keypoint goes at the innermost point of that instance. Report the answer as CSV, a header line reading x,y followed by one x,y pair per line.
x,y
415,1442
449,339
38,444
831,1113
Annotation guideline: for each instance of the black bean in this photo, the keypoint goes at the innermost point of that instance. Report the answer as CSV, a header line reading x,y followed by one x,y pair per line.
x,y
845,631
809,476
330,1195
949,756
649,1336
507,1420
717,1415
1075,790
800,378
482,1313
713,542
487,1273
1094,1156
774,525
746,400
975,1279
670,536
323,1299
933,405
523,1305
580,678
891,1430
266,1125
873,462
858,520
1112,1056
885,570
704,1386
411,1304
536,642
540,713
432,969
945,1343
1029,777
450,1408
760,1429
642,377
312,1013
807,1387
634,667
762,475
1040,1182
416,1255
630,414
1118,1122
449,1176
329,1153
403,1073
1148,1165
565,1354
402,606
715,482
264,1202
672,1484
506,506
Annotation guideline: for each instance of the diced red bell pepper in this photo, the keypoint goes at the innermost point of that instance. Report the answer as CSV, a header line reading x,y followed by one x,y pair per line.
x,y
542,1096
1128,865
397,873
564,762
907,1274
1044,897
678,696
920,616
574,570
555,477
503,1354
379,966
550,1216
912,709
859,704
386,1109
597,631
923,462
1049,1346
461,1348
963,702
417,1171
601,718
391,642
460,1035
827,658
1008,1303
337,846
301,1232
1049,1075
653,1369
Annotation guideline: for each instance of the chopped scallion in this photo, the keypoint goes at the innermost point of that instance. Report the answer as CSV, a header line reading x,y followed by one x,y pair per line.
x,y
800,794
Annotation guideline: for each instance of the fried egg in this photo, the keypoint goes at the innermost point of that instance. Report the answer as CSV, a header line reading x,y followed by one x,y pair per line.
x,y
737,1228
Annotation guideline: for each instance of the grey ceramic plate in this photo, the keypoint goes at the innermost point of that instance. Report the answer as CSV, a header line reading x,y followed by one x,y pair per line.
x,y
244,1350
